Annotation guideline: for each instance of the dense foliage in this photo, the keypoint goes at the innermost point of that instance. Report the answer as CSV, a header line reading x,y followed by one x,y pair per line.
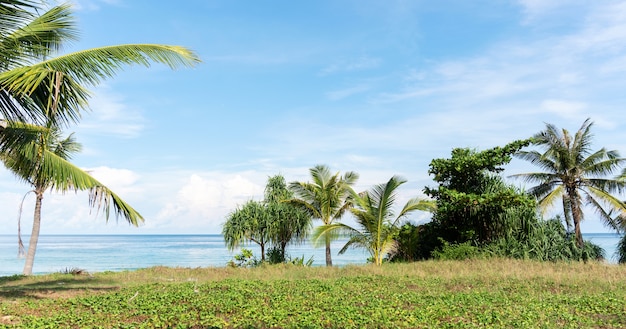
x,y
471,198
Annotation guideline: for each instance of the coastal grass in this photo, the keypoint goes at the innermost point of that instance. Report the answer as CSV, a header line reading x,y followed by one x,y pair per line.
x,y
493,293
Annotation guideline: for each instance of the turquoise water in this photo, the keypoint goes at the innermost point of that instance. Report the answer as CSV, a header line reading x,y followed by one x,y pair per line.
x,y
98,253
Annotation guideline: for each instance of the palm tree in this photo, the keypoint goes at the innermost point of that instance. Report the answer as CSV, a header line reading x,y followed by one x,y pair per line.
x,y
43,162
327,198
36,87
576,176
378,223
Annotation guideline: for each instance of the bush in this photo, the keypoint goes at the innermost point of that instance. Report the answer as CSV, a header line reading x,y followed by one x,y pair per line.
x,y
275,256
299,261
244,259
545,241
459,251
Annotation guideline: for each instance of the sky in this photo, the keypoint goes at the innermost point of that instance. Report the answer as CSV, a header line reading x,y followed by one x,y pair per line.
x,y
376,87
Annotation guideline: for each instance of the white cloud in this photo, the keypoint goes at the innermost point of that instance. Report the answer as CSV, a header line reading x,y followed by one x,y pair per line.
x,y
564,109
535,10
208,197
358,64
90,5
347,92
120,181
110,115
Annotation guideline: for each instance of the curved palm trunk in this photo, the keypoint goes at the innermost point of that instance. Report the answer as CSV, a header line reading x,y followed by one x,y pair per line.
x,y
329,260
34,237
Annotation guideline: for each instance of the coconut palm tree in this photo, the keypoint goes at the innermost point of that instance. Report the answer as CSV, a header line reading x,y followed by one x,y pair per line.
x,y
327,198
378,223
576,175
43,162
38,85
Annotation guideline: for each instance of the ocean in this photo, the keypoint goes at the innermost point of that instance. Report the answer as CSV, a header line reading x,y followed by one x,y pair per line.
x,y
99,253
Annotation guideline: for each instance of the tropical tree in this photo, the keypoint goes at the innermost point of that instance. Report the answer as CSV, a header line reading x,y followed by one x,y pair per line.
x,y
327,198
621,250
37,85
471,197
576,175
248,223
378,223
290,223
270,222
42,161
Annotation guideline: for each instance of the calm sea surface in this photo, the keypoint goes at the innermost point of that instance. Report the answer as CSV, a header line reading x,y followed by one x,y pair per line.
x,y
98,253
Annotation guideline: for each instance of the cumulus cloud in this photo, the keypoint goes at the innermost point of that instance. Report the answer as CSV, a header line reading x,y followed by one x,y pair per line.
x,y
208,198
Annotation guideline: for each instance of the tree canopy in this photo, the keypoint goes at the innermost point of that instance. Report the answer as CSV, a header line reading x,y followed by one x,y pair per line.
x,y
471,196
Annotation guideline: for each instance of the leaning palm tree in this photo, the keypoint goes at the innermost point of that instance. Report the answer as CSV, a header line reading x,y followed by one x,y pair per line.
x,y
43,163
327,198
576,176
36,86
378,223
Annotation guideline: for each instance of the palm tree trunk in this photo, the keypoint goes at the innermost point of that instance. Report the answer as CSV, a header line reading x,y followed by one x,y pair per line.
x,y
34,236
329,260
576,217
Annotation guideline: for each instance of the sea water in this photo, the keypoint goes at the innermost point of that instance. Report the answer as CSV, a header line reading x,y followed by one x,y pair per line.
x,y
99,253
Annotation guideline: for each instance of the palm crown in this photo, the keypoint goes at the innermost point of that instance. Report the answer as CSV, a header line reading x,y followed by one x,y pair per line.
x,y
575,175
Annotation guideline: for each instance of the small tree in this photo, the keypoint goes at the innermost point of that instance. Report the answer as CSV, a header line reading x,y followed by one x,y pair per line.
x,y
248,223
377,220
290,223
326,198
270,222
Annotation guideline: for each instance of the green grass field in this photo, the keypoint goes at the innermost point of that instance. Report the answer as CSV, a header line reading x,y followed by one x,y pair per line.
x,y
435,294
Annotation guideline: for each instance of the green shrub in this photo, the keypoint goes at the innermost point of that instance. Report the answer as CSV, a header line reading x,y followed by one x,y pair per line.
x,y
244,259
458,251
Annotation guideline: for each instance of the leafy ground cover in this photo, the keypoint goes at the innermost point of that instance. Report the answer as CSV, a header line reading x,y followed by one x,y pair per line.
x,y
435,294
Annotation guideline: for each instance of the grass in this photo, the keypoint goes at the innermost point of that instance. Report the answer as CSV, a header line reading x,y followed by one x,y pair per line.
x,y
492,293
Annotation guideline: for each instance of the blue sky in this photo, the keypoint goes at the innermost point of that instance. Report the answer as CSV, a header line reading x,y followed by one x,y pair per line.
x,y
376,87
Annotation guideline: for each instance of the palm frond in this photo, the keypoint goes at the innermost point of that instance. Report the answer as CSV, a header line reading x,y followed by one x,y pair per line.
x,y
331,231
550,197
57,85
39,37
